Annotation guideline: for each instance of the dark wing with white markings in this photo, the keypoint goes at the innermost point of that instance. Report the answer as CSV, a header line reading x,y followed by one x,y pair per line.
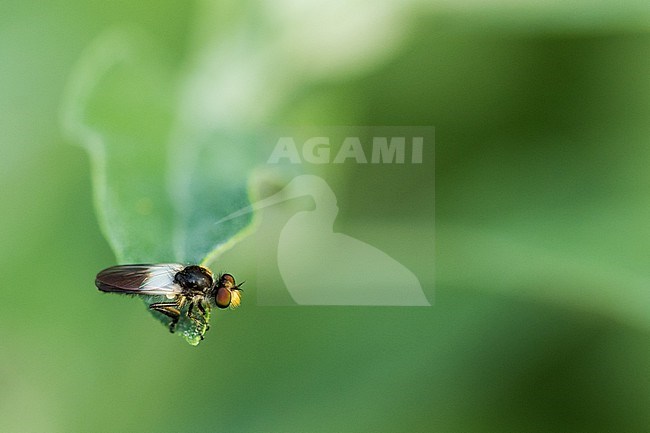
x,y
140,279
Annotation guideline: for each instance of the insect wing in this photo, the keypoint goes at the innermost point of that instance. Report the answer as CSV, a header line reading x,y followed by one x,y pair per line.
x,y
151,280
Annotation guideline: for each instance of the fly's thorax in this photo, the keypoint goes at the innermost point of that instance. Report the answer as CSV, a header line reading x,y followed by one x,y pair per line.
x,y
195,279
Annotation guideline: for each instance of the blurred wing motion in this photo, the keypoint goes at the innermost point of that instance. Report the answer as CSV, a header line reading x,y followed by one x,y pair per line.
x,y
140,279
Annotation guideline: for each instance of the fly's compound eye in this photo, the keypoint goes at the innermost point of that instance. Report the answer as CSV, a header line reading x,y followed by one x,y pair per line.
x,y
223,297
227,281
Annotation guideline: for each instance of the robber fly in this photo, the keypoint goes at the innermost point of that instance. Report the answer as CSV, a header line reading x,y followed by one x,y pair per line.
x,y
190,291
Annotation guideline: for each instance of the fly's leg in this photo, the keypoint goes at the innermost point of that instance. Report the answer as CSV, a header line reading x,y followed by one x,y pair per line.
x,y
169,309
198,321
198,317
204,308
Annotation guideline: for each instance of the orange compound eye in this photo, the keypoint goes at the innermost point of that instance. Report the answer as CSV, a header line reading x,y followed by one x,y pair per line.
x,y
227,281
223,297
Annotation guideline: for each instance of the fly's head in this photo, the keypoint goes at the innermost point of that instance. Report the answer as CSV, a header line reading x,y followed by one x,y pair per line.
x,y
227,292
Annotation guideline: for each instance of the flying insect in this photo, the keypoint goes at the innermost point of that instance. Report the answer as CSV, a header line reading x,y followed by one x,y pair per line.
x,y
181,291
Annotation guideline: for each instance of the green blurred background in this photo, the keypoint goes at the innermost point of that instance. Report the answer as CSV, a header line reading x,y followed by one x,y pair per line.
x,y
541,296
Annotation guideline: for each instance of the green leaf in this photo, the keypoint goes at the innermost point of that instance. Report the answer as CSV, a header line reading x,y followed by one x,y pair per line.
x,y
159,185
